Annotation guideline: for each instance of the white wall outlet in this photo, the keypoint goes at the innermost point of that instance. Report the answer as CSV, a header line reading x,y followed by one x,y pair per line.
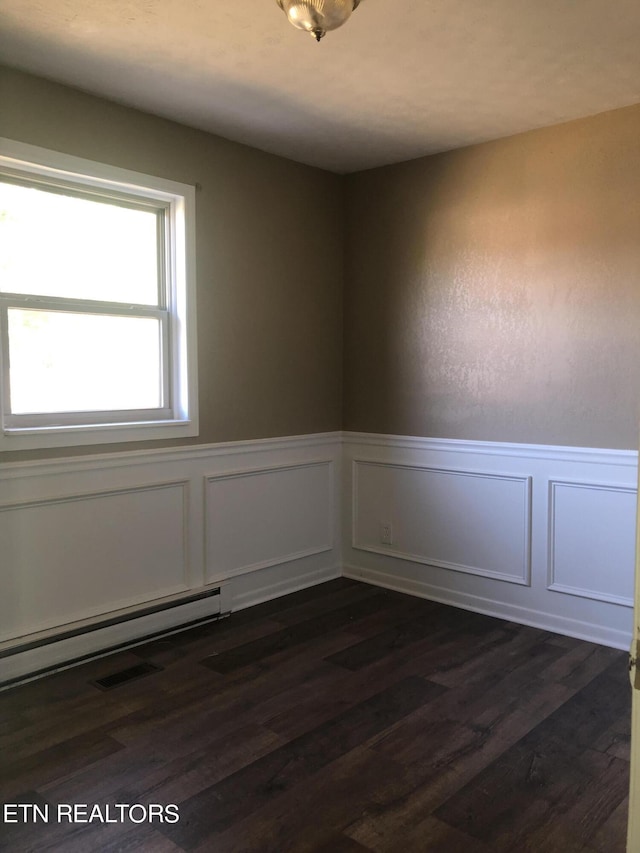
x,y
386,533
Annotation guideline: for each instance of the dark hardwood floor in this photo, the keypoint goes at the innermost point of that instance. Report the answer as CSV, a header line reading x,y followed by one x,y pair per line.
x,y
339,719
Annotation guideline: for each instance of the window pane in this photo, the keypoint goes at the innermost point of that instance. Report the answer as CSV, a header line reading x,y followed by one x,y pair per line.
x,y
58,245
65,362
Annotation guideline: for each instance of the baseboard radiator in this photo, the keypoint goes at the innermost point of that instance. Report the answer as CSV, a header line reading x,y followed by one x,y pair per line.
x,y
69,645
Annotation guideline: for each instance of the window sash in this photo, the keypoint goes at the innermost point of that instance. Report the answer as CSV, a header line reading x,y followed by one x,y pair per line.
x,y
103,195
81,418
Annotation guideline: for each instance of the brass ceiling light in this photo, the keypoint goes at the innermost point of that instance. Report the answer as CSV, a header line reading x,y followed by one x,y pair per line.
x,y
318,16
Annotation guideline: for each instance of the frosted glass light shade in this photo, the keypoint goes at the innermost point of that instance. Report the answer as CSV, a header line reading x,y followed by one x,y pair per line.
x,y
317,16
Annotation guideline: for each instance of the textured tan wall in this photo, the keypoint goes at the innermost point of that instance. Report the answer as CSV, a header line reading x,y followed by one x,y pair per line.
x,y
269,300
493,292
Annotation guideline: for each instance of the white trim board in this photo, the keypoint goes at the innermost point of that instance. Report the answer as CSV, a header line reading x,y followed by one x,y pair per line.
x,y
273,587
500,610
579,551
186,453
562,453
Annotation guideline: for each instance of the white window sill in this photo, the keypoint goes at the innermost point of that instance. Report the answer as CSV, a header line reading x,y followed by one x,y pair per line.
x,y
34,438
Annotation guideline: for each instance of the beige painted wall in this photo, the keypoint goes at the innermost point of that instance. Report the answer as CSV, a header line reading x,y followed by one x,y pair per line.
x,y
493,292
269,258
490,293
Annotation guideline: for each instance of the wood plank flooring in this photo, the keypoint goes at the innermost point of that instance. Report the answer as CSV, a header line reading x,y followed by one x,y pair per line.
x,y
341,719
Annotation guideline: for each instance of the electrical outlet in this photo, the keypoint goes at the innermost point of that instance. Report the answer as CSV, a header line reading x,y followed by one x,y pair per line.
x,y
386,533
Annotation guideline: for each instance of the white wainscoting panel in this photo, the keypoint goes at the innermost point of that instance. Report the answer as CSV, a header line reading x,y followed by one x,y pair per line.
x,y
467,521
478,525
72,557
106,537
591,536
503,529
261,517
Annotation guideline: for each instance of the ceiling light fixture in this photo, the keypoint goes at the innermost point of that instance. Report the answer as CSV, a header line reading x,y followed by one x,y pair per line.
x,y
317,16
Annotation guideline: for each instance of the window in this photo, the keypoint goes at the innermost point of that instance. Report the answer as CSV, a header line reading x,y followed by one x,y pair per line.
x,y
97,302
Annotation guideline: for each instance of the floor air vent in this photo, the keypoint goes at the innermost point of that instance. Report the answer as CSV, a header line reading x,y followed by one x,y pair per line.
x,y
130,674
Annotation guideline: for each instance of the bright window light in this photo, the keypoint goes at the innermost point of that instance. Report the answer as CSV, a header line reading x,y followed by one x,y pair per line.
x,y
86,248
97,302
63,362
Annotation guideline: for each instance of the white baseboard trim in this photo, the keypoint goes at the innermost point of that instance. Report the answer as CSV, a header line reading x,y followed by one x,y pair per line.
x,y
258,595
499,609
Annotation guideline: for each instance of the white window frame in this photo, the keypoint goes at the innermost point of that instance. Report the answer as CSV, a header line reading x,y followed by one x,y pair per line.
x,y
178,417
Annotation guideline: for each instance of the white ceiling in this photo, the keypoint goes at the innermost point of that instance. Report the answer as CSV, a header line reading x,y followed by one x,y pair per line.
x,y
401,79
